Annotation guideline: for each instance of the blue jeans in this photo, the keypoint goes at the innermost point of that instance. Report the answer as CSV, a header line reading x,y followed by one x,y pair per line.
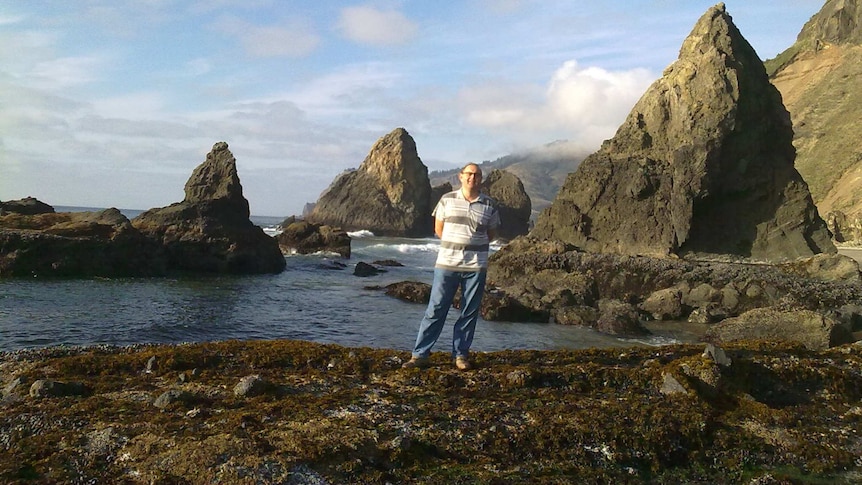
x,y
446,283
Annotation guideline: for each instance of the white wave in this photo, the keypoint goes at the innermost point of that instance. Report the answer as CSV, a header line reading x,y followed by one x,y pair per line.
x,y
360,234
407,248
272,230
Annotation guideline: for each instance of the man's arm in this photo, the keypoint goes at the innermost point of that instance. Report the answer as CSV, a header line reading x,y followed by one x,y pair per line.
x,y
438,228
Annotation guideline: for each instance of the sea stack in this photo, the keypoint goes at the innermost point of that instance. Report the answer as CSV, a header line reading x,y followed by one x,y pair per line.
x,y
210,231
389,194
702,166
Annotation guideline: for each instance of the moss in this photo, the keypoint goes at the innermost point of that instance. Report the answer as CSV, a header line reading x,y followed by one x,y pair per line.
x,y
354,416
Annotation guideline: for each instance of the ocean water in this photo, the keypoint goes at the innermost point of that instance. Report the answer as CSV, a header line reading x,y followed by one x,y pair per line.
x,y
308,301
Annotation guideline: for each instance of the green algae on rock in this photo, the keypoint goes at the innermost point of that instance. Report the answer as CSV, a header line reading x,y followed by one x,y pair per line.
x,y
332,414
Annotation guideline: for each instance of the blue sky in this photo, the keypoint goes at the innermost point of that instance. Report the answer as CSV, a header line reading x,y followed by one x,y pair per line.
x,y
113,103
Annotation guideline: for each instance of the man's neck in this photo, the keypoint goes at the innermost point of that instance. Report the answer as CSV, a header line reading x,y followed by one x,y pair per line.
x,y
470,195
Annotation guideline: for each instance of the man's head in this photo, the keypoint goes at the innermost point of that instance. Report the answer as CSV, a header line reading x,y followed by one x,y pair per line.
x,y
471,177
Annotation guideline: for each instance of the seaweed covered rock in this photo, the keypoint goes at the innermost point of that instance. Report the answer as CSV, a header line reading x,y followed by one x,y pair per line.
x,y
703,165
277,411
210,230
389,194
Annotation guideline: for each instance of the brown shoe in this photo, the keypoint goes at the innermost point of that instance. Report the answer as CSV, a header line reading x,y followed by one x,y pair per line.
x,y
416,363
463,363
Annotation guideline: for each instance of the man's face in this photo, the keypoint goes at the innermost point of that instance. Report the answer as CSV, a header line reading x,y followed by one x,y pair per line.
x,y
471,177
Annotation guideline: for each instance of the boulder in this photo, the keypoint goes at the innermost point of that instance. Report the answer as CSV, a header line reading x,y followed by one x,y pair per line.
x,y
619,318
702,166
76,244
410,291
815,331
27,206
306,238
389,194
512,201
210,231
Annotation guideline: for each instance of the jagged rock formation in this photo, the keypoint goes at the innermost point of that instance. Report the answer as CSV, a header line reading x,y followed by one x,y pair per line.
x,y
818,77
305,238
389,194
703,165
210,230
75,244
512,201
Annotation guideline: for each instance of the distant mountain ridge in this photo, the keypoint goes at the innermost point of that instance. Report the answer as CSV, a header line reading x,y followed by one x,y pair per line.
x,y
542,170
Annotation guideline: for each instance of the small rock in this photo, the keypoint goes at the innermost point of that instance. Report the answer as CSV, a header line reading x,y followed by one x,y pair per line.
x,y
250,386
13,385
50,388
365,269
519,378
173,396
717,355
152,365
672,386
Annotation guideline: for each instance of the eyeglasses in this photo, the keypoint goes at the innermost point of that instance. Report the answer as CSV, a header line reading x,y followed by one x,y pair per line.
x,y
472,174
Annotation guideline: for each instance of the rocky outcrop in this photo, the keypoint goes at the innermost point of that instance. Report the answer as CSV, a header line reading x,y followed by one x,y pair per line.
x,y
818,77
512,201
210,230
303,237
389,194
76,244
543,280
702,166
27,206
844,229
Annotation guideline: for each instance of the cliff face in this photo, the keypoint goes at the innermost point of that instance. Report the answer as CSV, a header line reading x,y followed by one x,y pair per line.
x,y
818,77
702,165
389,194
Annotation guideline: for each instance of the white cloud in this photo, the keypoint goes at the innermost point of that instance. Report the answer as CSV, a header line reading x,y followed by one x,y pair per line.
x,y
368,25
583,104
593,96
295,38
65,72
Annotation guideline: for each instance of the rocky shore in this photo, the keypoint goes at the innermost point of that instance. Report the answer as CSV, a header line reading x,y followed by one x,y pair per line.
x,y
287,412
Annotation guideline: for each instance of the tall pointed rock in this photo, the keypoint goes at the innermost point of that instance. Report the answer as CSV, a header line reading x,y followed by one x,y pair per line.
x,y
389,194
210,231
703,165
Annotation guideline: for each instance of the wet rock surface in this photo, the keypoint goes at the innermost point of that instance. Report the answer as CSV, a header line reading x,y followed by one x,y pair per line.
x,y
298,412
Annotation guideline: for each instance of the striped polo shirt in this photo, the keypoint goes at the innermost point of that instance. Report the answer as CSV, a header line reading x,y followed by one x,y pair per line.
x,y
464,243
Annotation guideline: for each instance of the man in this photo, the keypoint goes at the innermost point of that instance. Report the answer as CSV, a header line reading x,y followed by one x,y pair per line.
x,y
466,221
